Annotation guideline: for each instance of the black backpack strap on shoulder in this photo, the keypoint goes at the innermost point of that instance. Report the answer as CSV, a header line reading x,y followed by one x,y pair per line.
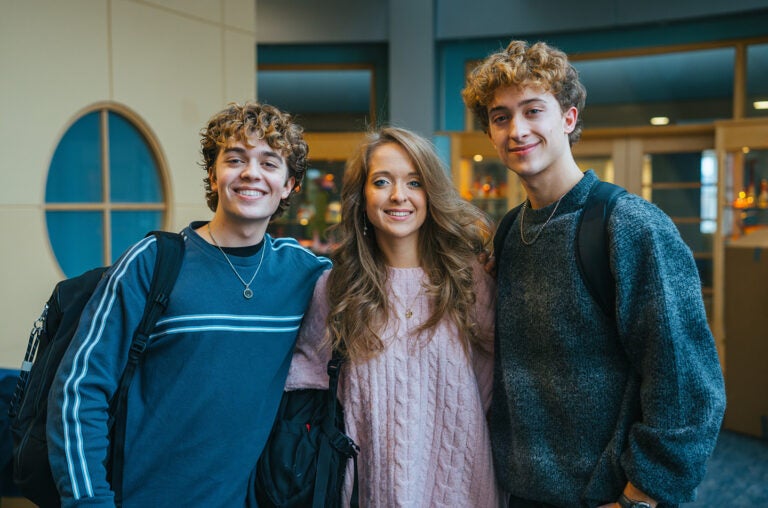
x,y
170,253
336,439
592,250
502,231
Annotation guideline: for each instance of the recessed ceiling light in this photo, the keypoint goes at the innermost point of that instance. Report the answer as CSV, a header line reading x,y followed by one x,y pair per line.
x,y
660,120
760,104
477,158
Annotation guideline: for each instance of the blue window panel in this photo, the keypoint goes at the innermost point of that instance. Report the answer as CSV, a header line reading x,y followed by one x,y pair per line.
x,y
75,172
77,240
706,269
676,167
696,240
678,202
128,227
133,173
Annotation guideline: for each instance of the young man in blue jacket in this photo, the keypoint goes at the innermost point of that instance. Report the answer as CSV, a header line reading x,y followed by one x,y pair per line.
x,y
203,401
588,409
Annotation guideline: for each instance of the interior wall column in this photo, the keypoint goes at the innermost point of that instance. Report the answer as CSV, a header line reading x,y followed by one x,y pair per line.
x,y
412,65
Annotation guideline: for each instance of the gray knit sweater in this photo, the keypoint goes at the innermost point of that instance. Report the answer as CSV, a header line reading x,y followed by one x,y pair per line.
x,y
583,402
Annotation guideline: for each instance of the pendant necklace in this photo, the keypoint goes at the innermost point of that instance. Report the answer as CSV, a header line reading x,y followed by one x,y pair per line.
x,y
522,218
247,292
409,308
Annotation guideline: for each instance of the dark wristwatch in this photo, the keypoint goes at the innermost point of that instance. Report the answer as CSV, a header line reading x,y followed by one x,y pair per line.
x,y
626,502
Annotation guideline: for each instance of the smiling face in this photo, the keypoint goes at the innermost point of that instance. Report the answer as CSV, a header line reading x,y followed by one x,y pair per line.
x,y
530,131
250,179
395,201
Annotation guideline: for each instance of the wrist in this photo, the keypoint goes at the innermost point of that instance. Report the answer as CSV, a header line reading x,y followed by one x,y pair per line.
x,y
626,502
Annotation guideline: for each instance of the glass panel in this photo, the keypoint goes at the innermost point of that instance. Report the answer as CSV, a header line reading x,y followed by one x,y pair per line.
x,y
631,90
693,236
76,239
748,194
75,172
602,166
676,182
708,191
314,209
130,227
323,99
757,80
489,189
133,174
678,202
676,167
705,271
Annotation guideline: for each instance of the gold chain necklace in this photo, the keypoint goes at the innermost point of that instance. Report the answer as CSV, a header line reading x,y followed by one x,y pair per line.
x,y
247,292
522,218
409,308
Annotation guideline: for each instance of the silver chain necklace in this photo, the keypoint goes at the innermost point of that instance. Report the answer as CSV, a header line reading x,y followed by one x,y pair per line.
x,y
247,292
522,218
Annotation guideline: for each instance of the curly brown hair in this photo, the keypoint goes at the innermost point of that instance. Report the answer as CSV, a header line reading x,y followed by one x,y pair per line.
x,y
521,65
454,232
240,122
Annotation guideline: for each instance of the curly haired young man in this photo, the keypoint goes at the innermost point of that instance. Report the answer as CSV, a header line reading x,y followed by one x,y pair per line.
x,y
588,409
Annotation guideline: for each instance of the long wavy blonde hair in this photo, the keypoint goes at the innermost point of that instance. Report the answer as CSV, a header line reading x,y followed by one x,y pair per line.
x,y
450,239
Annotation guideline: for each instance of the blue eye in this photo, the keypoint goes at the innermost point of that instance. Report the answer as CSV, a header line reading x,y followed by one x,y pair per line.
x,y
414,183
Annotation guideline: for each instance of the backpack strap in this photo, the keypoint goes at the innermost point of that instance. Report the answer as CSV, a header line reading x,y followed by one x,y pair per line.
x,y
592,251
170,252
336,439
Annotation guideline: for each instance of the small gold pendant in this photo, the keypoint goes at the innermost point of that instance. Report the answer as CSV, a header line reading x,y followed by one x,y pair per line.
x,y
408,313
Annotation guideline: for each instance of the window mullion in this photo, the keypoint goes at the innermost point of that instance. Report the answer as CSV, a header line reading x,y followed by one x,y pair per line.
x,y
107,223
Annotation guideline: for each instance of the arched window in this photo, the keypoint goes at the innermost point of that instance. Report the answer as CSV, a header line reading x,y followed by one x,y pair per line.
x,y
106,188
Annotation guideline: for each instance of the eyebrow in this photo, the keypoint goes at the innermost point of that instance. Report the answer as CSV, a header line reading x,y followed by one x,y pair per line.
x,y
521,103
242,151
386,172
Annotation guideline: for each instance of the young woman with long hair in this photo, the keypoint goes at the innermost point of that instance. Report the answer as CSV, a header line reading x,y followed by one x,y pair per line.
x,y
411,310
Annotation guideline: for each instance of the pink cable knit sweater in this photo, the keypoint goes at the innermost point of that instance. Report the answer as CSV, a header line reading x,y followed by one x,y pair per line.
x,y
417,410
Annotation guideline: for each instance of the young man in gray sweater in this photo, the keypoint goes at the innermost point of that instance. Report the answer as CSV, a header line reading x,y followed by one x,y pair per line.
x,y
589,409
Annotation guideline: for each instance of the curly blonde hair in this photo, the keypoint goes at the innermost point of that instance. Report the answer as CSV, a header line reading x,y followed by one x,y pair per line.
x,y
521,65
239,122
454,232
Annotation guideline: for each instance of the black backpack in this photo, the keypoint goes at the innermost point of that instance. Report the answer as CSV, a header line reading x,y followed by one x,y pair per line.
x,y
50,337
591,244
305,458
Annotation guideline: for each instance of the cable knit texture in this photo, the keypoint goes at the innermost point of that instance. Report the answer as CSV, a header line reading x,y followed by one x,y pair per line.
x,y
583,402
417,410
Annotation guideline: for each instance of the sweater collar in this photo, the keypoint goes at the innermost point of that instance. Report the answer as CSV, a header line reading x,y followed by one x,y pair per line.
x,y
573,200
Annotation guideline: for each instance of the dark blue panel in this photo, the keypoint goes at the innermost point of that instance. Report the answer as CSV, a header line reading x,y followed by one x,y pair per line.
x,y
75,172
705,267
678,202
130,227
676,167
133,172
77,239
696,240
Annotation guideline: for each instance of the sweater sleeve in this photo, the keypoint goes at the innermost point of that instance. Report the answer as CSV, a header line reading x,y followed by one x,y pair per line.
x,y
310,357
87,378
485,312
663,327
